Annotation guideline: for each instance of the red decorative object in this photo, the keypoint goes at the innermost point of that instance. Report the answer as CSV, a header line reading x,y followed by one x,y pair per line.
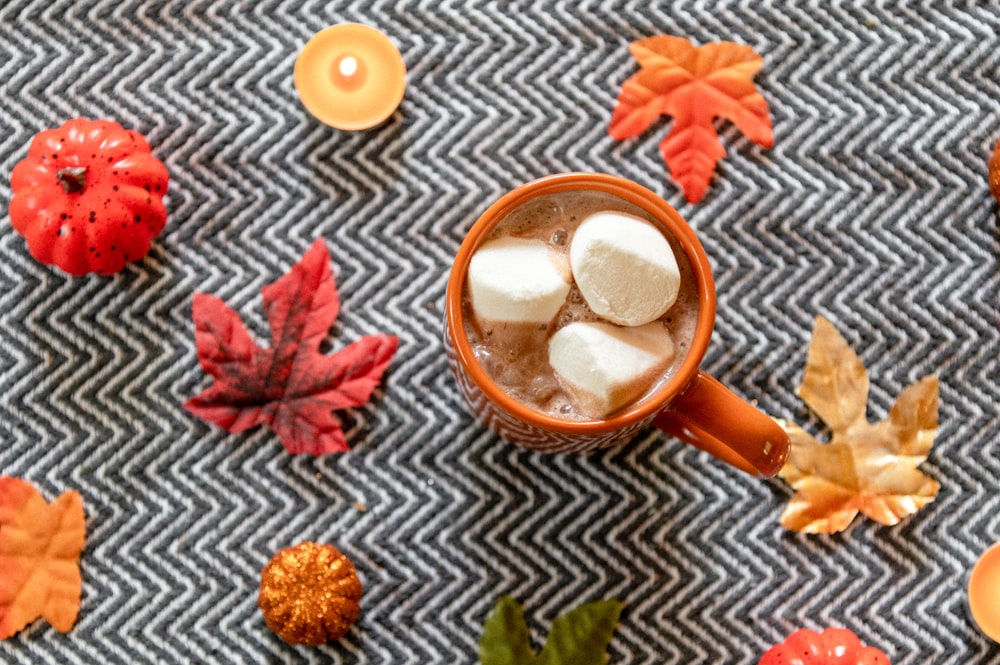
x,y
695,85
834,646
291,386
88,197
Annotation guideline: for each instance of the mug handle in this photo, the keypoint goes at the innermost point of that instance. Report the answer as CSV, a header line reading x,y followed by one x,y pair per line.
x,y
710,417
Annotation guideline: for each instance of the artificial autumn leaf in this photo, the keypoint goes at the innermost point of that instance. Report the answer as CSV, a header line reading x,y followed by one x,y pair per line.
x,y
291,386
40,545
506,640
867,468
578,637
694,85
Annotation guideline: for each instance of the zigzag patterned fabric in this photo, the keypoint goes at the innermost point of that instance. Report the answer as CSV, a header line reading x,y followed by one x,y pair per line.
x,y
872,209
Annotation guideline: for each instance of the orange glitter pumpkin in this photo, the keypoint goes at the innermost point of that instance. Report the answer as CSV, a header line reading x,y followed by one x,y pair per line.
x,y
310,594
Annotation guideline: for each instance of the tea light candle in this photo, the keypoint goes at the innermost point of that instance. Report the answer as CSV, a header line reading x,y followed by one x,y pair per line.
x,y
350,76
984,593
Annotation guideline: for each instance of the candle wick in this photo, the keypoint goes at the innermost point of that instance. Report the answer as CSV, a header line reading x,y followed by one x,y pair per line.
x,y
348,67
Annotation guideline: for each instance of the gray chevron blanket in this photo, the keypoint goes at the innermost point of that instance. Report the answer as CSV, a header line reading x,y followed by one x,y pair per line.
x,y
871,209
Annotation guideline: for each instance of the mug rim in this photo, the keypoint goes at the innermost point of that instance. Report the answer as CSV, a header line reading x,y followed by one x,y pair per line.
x,y
635,194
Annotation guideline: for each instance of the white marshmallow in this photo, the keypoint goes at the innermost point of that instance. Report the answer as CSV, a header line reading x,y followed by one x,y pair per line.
x,y
604,366
624,268
516,280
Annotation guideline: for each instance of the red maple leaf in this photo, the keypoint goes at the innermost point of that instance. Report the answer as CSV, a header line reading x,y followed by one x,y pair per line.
x,y
291,386
694,84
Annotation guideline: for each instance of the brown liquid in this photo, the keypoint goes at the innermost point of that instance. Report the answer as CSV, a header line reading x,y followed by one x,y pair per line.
x,y
515,356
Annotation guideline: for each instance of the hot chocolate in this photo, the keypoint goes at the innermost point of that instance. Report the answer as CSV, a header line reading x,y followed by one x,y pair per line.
x,y
516,354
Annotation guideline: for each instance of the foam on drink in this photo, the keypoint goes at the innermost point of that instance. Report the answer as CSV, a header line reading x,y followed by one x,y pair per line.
x,y
515,355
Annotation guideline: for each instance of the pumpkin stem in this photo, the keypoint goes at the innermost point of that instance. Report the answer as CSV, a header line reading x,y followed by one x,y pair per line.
x,y
73,178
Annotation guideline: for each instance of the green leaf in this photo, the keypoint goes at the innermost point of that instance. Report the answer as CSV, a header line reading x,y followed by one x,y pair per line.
x,y
505,639
581,636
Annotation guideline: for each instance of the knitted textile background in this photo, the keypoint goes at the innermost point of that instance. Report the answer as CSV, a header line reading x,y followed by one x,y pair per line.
x,y
871,209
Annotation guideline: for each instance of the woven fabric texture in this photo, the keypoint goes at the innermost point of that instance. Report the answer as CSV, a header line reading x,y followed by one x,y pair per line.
x,y
872,209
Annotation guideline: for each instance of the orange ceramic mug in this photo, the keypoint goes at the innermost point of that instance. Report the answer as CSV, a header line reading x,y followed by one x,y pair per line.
x,y
690,405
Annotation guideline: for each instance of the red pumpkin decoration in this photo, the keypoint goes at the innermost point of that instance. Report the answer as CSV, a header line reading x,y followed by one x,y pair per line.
x,y
834,646
88,197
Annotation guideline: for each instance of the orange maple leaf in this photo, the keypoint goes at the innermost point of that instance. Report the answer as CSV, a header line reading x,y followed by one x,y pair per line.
x,y
694,85
40,546
867,468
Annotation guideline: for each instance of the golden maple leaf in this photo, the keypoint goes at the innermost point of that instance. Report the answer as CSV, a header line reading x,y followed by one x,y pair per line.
x,y
867,468
40,545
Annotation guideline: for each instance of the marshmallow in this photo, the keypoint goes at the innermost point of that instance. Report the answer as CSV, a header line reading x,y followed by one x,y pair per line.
x,y
516,280
604,366
624,268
